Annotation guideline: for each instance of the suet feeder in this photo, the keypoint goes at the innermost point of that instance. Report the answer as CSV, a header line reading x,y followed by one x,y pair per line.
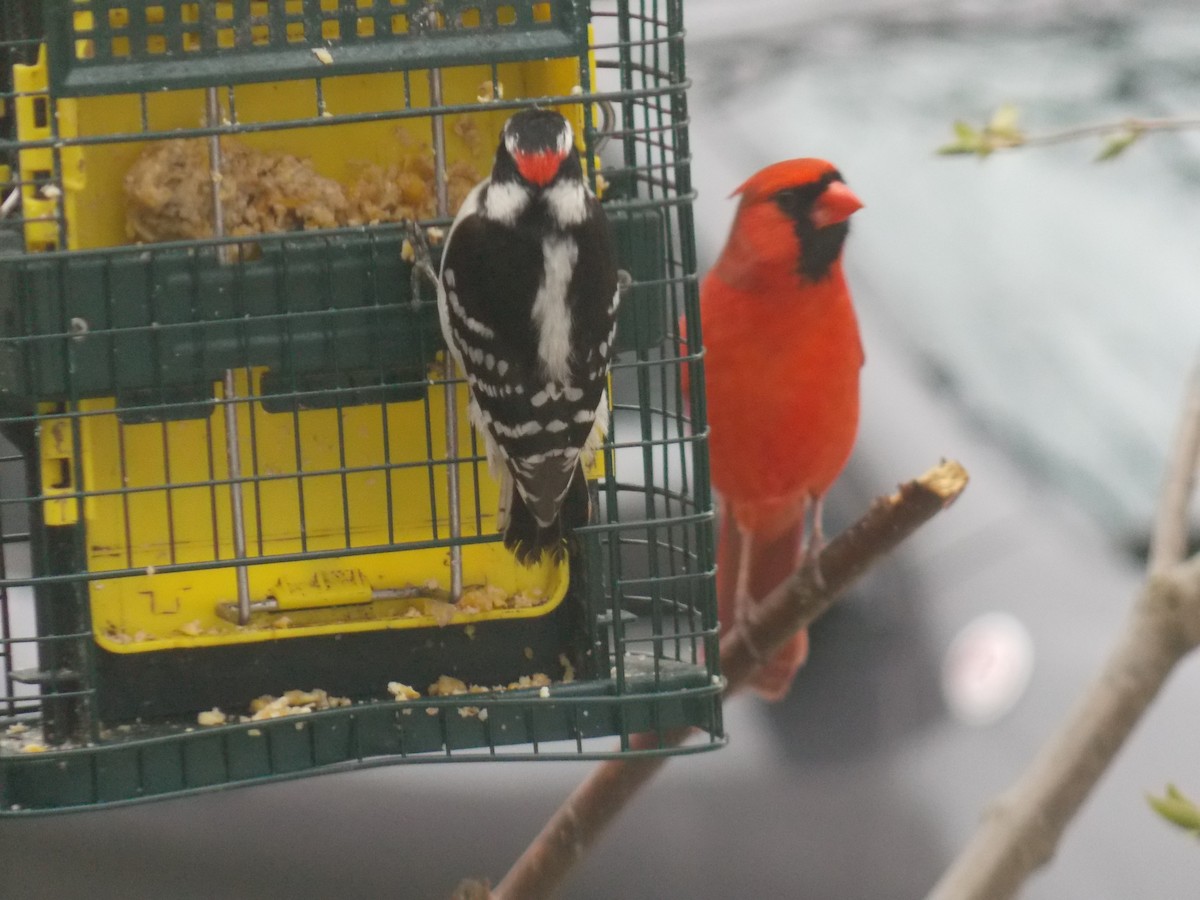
x,y
239,480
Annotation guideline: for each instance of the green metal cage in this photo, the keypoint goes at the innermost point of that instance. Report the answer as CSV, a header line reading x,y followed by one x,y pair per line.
x,y
230,487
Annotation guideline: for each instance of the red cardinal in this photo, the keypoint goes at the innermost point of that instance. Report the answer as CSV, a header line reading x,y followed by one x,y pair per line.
x,y
782,364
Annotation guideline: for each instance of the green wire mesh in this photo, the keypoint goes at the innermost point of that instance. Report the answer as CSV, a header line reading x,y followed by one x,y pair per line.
x,y
129,341
117,46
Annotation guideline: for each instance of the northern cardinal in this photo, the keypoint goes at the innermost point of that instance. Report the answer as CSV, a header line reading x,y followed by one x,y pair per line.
x,y
782,363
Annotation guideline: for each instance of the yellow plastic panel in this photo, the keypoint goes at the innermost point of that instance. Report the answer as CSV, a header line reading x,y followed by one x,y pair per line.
x,y
58,467
37,164
171,611
155,508
152,480
93,175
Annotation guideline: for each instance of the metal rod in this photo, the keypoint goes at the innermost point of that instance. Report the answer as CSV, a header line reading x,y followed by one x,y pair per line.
x,y
213,117
443,210
233,454
439,144
237,511
229,611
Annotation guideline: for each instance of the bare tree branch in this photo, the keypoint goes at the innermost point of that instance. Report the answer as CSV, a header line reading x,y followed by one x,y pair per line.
x,y
471,889
1168,543
580,821
1023,827
1021,830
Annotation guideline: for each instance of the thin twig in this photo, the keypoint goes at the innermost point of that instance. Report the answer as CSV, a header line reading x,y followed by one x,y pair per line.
x,y
580,821
1002,132
1168,543
1100,129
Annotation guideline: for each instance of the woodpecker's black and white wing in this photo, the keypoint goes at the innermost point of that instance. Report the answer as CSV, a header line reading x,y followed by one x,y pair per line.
x,y
528,308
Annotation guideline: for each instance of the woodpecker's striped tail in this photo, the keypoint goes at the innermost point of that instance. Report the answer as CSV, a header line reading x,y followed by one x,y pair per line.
x,y
528,540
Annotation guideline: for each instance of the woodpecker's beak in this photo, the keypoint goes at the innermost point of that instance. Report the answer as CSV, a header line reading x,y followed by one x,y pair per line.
x,y
539,167
836,204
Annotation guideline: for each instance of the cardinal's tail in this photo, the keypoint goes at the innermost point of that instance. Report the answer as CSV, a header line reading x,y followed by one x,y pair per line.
x,y
771,561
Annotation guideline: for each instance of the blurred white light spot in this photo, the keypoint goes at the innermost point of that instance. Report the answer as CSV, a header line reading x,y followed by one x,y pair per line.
x,y
987,668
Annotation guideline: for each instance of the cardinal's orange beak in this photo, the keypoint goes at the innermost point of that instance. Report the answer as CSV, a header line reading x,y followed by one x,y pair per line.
x,y
836,204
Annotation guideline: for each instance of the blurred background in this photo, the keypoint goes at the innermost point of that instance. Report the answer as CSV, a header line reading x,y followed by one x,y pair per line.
x,y
1033,316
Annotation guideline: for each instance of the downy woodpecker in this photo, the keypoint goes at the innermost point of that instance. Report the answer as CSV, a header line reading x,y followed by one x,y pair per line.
x,y
528,306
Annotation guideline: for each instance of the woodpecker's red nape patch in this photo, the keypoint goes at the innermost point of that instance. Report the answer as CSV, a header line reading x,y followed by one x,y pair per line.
x,y
538,168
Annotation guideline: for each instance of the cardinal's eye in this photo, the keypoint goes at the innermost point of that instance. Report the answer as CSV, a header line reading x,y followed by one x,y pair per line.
x,y
797,202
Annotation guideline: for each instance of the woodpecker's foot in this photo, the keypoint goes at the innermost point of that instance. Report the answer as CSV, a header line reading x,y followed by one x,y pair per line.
x,y
414,248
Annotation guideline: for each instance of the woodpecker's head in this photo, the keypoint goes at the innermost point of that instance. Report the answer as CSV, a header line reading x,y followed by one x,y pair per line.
x,y
804,199
538,146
